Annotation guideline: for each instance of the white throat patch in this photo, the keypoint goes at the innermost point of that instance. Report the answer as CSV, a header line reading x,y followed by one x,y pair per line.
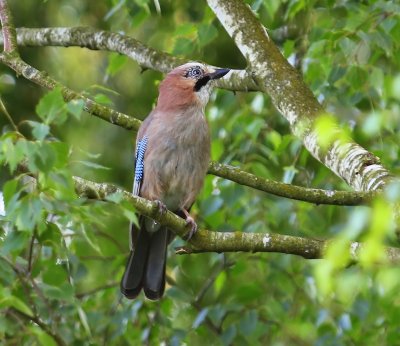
x,y
204,93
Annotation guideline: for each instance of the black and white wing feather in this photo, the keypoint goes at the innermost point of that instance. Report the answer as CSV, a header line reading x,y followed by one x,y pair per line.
x,y
139,164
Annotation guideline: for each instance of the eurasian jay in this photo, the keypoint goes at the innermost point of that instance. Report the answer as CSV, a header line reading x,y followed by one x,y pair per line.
x,y
172,157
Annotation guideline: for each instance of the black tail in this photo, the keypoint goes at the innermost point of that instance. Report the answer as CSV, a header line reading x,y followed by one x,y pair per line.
x,y
146,264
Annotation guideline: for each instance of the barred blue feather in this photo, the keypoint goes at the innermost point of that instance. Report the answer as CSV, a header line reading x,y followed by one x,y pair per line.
x,y
139,167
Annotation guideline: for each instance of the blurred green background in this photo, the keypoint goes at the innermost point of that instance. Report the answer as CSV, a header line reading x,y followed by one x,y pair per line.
x,y
348,54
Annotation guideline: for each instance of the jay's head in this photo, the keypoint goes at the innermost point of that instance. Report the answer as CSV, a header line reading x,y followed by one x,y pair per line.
x,y
189,85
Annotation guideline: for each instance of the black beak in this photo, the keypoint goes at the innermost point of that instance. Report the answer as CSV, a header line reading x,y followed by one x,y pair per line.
x,y
219,73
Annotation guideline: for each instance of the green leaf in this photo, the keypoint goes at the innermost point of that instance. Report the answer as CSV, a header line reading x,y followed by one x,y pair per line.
x,y
91,239
336,73
9,190
206,33
61,151
115,63
220,282
274,138
13,153
53,274
92,164
325,129
51,235
130,214
348,47
44,157
248,322
217,149
7,300
103,99
84,320
228,335
39,130
7,275
51,108
43,338
254,128
288,48
75,107
64,292
272,6
363,52
30,213
115,197
14,242
185,29
183,46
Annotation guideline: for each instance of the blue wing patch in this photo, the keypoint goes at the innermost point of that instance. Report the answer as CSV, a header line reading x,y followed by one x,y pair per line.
x,y
139,166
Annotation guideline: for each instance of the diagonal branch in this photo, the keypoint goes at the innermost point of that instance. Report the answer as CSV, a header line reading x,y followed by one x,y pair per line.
x,y
41,325
291,96
90,106
145,56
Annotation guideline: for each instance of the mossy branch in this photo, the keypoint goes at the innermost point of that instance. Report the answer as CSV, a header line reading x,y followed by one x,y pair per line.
x,y
145,56
208,241
316,196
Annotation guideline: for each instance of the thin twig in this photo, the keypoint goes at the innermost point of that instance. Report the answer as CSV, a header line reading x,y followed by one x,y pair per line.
x,y
210,281
208,322
95,290
30,253
8,116
42,326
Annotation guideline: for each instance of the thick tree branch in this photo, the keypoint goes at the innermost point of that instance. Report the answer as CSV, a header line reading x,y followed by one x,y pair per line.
x,y
207,241
8,29
146,57
291,96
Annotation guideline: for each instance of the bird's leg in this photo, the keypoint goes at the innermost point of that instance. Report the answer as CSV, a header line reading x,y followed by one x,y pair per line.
x,y
190,221
162,208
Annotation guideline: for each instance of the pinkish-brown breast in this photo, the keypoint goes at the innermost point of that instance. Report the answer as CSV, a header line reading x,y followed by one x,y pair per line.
x,y
177,156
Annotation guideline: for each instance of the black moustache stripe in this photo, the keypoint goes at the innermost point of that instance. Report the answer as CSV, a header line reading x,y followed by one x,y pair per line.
x,y
201,82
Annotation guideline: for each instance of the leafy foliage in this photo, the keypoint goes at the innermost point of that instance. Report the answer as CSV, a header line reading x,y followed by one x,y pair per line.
x,y
62,256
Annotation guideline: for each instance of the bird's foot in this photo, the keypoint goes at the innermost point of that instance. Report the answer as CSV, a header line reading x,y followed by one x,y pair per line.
x,y
190,222
162,208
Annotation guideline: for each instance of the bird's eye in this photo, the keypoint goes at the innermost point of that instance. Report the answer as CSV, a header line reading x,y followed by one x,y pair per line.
x,y
194,72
